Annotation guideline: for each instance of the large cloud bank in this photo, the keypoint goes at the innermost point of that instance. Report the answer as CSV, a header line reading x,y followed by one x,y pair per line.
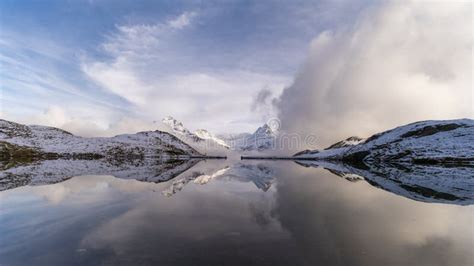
x,y
400,62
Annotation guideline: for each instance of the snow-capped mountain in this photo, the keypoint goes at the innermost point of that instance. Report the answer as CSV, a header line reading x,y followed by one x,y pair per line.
x,y
18,140
426,142
204,141
201,139
262,139
179,130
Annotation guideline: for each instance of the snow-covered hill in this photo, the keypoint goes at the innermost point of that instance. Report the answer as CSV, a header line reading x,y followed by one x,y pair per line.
x,y
427,142
17,140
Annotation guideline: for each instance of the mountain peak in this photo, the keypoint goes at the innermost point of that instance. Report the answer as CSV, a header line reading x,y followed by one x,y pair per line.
x,y
264,130
351,141
201,136
169,120
175,125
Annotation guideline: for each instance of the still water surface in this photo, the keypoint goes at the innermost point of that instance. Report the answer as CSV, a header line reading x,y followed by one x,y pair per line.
x,y
229,213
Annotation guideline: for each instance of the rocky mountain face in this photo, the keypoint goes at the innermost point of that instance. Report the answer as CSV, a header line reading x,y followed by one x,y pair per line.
x,y
41,142
448,142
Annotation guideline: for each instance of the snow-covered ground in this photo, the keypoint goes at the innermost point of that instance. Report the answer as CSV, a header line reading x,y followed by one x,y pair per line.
x,y
54,140
351,141
428,142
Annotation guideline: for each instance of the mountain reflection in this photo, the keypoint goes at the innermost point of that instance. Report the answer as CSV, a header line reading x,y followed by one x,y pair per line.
x,y
453,185
154,170
427,183
262,176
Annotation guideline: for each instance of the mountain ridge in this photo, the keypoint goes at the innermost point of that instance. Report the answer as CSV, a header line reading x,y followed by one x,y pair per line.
x,y
201,139
19,140
429,142
263,138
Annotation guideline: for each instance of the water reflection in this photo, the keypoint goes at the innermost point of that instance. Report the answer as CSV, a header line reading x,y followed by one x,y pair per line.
x,y
260,175
428,183
54,171
231,213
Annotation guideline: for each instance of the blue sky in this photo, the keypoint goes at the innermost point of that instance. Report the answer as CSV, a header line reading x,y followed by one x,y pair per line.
x,y
99,66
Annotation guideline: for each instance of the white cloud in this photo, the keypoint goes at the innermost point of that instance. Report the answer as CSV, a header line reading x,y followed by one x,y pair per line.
x,y
401,62
56,116
182,20
148,70
86,123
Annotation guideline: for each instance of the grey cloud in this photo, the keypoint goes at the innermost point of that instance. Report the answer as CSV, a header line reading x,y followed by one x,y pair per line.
x,y
261,99
400,62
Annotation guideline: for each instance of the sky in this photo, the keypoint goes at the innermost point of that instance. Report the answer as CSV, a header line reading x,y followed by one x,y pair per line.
x,y
100,68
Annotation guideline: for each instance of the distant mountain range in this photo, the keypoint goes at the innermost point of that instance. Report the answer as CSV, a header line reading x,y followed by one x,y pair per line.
x,y
202,140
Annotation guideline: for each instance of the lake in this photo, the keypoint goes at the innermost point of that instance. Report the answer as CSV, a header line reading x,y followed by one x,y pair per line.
x,y
226,212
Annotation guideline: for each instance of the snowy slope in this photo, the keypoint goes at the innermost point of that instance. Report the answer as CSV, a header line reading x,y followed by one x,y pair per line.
x,y
178,129
57,141
426,142
351,141
206,135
